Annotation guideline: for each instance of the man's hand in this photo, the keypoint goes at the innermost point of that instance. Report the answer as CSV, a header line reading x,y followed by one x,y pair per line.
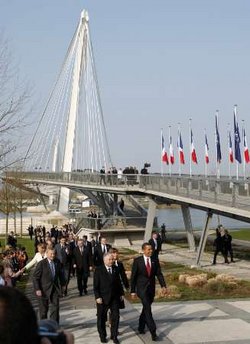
x,y
164,290
121,297
133,295
90,268
99,301
74,266
38,293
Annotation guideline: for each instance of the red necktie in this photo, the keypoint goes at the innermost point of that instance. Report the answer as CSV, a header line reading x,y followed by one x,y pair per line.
x,y
148,267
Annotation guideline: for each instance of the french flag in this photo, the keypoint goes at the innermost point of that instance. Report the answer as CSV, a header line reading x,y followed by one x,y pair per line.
x,y
206,150
164,156
171,151
230,147
193,152
181,152
246,151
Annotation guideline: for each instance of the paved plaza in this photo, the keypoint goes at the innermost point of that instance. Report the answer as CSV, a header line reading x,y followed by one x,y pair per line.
x,y
192,322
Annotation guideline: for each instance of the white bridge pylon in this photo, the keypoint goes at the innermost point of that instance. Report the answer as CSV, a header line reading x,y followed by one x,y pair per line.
x,y
71,134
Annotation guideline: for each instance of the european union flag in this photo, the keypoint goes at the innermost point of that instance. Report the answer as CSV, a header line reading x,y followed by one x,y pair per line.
x,y
237,139
217,134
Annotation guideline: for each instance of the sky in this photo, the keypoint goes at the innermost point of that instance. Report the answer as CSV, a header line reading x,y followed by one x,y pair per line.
x,y
159,63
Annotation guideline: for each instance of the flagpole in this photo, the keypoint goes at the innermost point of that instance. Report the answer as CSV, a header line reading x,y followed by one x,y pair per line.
x,y
236,119
217,163
169,136
190,152
244,162
161,153
228,142
179,131
205,153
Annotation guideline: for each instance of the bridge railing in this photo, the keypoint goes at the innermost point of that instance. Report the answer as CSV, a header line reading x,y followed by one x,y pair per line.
x,y
225,191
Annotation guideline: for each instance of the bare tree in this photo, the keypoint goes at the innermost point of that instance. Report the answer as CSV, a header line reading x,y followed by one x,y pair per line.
x,y
14,101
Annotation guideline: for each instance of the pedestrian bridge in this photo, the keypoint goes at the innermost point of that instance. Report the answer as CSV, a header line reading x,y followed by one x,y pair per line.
x,y
226,197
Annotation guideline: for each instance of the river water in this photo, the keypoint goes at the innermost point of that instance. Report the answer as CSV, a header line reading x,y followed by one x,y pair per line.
x,y
173,220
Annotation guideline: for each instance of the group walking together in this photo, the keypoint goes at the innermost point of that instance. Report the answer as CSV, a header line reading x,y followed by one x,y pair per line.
x,y
59,259
223,244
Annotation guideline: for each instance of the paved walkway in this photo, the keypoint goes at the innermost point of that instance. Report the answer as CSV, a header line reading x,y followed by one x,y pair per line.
x,y
197,322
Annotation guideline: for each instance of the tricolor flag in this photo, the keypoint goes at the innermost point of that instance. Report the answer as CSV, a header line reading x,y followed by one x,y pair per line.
x,y
206,150
246,151
164,156
171,150
230,147
180,148
217,137
237,153
192,149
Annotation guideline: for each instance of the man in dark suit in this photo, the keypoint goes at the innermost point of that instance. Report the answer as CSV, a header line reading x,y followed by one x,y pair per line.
x,y
82,262
144,271
48,281
100,249
120,267
156,244
108,293
63,253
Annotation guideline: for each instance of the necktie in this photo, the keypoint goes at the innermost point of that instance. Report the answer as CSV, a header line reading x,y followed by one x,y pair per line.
x,y
52,268
104,249
110,271
148,267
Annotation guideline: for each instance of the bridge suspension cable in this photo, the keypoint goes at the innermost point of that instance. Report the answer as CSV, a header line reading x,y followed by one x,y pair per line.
x,y
71,134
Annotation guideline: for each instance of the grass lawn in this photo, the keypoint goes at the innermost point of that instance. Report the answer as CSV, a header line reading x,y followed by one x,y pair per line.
x,y
242,234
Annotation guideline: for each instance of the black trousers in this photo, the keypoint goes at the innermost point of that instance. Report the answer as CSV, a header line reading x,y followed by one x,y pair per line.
x,y
146,317
82,279
102,310
51,302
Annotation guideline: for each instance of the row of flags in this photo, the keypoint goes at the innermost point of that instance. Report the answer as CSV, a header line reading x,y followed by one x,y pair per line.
x,y
234,155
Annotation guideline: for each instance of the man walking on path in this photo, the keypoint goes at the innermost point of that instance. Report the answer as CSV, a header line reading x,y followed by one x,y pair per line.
x,y
48,281
108,294
144,271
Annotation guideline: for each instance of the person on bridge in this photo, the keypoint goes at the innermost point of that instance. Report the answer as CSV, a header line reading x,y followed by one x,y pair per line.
x,y
144,272
108,294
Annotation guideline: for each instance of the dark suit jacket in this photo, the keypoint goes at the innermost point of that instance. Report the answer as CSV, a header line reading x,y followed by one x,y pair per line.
x,y
82,261
62,255
98,254
106,286
122,273
155,250
141,283
43,280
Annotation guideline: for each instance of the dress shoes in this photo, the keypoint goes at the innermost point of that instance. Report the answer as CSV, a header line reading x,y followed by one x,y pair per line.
x,y
85,291
141,330
103,340
116,340
154,337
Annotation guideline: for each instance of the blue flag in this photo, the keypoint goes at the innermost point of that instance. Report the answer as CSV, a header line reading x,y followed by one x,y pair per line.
x,y
237,139
217,134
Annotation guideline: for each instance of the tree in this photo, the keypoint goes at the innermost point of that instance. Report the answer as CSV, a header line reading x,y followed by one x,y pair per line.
x,y
14,102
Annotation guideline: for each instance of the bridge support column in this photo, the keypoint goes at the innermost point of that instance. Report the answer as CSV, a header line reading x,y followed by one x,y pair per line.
x,y
188,226
203,238
150,219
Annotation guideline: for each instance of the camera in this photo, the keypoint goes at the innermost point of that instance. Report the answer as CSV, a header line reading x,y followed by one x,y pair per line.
x,y
147,164
49,329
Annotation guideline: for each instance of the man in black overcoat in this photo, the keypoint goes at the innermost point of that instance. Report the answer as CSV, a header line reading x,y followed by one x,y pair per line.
x,y
108,293
82,262
100,250
144,271
49,282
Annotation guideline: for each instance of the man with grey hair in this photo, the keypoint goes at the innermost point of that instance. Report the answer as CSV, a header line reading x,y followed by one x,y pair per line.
x,y
108,293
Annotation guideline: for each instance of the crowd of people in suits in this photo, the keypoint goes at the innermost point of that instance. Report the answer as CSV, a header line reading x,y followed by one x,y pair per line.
x,y
61,255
